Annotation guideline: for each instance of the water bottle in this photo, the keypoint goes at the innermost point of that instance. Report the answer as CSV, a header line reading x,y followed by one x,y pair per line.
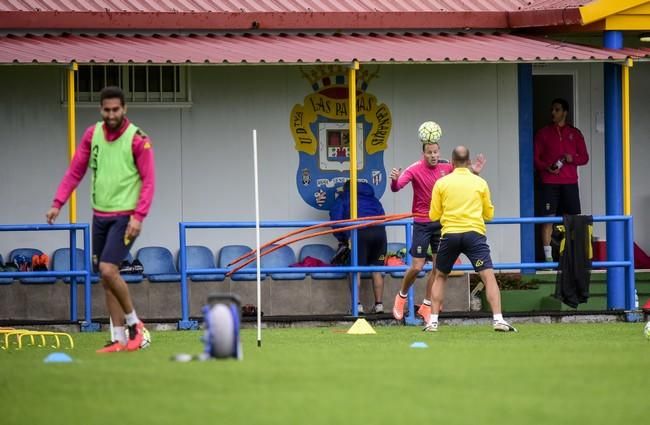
x,y
636,300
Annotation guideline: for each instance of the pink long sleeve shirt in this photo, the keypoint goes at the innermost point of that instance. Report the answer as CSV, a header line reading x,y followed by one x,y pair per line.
x,y
144,161
551,144
422,177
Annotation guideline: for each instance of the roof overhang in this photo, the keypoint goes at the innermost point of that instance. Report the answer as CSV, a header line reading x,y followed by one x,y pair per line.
x,y
296,48
233,21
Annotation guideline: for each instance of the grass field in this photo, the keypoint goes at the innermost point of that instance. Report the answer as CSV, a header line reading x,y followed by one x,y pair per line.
x,y
545,374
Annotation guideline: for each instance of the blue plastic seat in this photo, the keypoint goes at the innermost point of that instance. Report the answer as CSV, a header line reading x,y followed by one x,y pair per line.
x,y
29,252
395,247
324,253
281,257
61,263
200,257
5,280
158,264
229,253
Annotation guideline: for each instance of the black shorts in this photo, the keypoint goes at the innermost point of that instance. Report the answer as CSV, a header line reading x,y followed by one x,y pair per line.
x,y
372,243
560,199
472,244
108,240
425,235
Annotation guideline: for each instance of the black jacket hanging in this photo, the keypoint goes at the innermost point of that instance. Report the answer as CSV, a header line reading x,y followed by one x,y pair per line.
x,y
574,271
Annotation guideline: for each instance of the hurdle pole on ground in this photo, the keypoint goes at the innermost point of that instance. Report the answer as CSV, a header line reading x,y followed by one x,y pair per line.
x,y
257,241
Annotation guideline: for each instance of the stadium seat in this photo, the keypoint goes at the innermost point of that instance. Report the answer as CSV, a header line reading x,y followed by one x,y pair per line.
x,y
28,253
324,253
395,247
61,262
229,253
281,257
4,280
158,264
200,257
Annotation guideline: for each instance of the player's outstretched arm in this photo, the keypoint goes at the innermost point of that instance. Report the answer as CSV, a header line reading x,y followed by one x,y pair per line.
x,y
478,163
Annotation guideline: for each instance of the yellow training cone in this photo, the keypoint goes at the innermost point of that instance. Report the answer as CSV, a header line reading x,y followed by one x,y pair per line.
x,y
361,327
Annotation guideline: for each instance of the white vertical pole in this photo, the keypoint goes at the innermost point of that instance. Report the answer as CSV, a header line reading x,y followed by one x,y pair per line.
x,y
257,242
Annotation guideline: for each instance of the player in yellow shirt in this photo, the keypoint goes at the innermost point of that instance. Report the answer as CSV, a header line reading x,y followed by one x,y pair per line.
x,y
461,201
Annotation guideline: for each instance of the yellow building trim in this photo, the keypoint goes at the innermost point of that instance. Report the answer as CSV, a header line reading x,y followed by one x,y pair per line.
x,y
352,132
72,134
627,167
644,9
601,9
628,23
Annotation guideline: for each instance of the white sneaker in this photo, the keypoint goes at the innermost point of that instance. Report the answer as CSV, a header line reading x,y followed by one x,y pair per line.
x,y
503,326
431,327
360,309
378,308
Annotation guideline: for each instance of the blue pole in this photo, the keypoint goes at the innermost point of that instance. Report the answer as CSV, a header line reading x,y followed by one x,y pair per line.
x,y
630,285
614,174
411,294
183,260
73,280
526,163
355,275
88,268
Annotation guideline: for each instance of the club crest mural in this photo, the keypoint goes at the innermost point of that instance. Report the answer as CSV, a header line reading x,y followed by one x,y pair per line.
x,y
320,131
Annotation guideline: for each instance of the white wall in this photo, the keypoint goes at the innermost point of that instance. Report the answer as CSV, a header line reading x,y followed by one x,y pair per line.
x,y
640,152
203,153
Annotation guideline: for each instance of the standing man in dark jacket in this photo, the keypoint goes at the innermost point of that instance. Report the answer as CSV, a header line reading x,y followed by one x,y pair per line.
x,y
372,241
559,150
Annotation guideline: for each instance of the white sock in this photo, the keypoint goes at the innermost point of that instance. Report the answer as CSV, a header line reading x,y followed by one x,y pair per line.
x,y
119,334
434,318
131,318
498,317
402,295
426,302
548,252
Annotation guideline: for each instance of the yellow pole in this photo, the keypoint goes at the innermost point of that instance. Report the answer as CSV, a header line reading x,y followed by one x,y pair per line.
x,y
71,134
352,115
627,177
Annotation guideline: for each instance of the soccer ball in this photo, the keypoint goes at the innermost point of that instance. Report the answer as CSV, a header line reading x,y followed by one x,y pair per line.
x,y
646,330
429,132
146,340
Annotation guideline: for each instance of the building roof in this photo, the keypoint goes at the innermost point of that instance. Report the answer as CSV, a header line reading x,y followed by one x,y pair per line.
x,y
286,14
295,48
235,6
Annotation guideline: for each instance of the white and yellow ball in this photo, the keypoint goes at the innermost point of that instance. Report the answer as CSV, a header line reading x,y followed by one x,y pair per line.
x,y
646,330
429,132
146,337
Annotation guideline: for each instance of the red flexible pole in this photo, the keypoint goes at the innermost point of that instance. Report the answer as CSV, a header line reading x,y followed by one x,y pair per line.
x,y
393,217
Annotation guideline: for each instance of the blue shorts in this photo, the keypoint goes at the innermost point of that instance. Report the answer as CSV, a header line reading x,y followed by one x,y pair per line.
x,y
108,240
425,235
472,244
371,246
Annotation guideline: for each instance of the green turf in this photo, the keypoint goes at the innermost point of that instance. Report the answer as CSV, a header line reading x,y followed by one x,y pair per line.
x,y
545,374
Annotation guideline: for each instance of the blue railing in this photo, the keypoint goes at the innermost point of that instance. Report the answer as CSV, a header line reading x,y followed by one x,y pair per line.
x,y
73,273
613,290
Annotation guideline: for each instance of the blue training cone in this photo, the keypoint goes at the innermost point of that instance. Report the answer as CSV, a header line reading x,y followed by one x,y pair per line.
x,y
58,358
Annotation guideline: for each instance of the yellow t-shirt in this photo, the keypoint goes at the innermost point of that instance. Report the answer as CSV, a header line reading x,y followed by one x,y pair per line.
x,y
461,201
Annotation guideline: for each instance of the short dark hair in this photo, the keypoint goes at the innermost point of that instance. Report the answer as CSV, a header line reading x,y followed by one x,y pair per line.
x,y
111,92
460,155
424,145
562,102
